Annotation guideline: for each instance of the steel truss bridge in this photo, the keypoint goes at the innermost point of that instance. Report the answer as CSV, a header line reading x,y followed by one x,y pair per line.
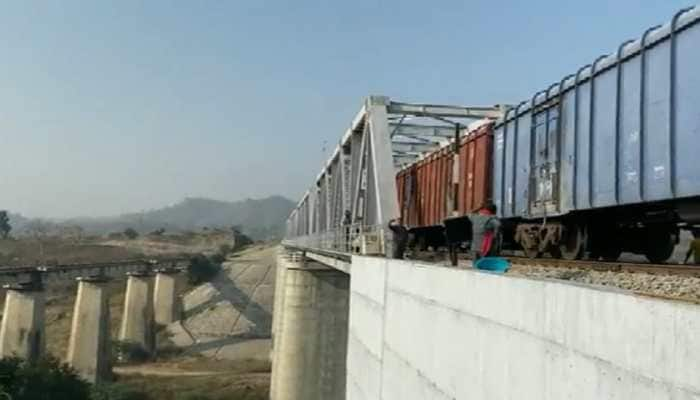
x,y
349,205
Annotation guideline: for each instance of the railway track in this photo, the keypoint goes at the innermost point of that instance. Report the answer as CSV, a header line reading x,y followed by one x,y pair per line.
x,y
617,266
61,268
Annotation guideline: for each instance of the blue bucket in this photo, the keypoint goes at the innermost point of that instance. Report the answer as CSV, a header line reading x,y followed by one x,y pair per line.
x,y
495,264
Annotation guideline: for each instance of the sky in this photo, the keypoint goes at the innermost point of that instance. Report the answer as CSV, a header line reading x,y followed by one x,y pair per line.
x,y
124,106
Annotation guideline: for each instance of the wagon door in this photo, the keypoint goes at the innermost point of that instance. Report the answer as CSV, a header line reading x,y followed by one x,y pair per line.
x,y
544,174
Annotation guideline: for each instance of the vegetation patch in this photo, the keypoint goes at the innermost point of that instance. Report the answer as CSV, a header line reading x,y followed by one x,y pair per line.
x,y
203,269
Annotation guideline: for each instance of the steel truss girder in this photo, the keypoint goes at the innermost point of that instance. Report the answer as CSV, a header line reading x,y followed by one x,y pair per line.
x,y
359,177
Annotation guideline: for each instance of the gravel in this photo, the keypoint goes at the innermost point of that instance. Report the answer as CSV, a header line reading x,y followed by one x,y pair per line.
x,y
668,286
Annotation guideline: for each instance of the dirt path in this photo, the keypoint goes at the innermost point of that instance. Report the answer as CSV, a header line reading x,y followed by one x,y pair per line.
x,y
161,371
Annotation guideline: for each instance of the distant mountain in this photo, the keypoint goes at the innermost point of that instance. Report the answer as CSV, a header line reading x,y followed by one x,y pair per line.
x,y
258,218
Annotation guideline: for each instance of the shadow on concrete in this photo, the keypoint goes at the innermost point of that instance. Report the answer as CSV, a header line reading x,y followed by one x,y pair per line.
x,y
228,291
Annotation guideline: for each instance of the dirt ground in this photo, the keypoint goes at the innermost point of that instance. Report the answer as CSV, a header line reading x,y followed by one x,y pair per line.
x,y
173,245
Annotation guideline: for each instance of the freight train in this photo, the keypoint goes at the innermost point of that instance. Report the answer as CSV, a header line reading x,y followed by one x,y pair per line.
x,y
603,161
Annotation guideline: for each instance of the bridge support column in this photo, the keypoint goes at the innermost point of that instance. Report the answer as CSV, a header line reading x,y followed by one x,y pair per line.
x,y
311,337
277,306
138,325
90,348
166,300
22,329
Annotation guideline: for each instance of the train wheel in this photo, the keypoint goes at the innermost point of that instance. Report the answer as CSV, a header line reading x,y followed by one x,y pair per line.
x,y
532,253
573,243
660,246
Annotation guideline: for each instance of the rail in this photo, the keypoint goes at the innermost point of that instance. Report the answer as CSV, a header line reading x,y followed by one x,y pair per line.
x,y
595,265
612,266
101,266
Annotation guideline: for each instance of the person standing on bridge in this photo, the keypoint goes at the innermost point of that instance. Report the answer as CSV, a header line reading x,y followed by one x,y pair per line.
x,y
485,232
694,248
399,240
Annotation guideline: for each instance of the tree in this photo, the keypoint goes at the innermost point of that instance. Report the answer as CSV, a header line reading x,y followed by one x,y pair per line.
x,y
157,232
5,226
203,269
131,233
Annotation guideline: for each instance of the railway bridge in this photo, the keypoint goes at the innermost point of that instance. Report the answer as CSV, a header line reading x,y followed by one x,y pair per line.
x,y
352,323
151,299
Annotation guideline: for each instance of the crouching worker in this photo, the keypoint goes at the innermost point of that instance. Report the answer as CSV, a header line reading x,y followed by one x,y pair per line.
x,y
485,232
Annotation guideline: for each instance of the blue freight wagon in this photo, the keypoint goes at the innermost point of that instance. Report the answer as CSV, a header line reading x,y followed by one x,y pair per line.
x,y
608,159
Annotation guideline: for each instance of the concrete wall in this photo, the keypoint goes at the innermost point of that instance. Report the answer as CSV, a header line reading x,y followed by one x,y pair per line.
x,y
425,332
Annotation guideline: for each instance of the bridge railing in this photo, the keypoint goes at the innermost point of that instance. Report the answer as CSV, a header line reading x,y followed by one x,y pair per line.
x,y
349,239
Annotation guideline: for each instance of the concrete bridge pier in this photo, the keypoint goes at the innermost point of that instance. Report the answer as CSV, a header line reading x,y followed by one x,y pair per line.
x,y
90,348
22,330
277,305
310,344
166,301
138,325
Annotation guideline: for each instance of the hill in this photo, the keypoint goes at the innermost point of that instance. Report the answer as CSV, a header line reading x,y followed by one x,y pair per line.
x,y
261,219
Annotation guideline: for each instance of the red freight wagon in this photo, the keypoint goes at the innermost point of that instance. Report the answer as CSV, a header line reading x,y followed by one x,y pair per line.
x,y
427,188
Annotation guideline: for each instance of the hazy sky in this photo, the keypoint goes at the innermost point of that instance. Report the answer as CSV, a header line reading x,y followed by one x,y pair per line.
x,y
125,106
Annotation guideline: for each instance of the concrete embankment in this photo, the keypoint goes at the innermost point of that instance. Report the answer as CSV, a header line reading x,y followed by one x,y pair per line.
x,y
230,318
423,332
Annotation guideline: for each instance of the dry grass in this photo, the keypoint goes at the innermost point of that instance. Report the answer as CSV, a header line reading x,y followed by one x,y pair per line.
x,y
229,386
58,251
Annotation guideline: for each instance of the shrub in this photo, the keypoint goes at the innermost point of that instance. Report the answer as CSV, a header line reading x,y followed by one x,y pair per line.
x,y
131,233
125,351
45,380
158,232
202,269
217,258
224,249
